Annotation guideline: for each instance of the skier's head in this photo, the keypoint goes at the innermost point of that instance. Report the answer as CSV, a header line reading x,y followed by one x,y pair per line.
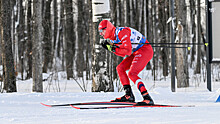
x,y
106,29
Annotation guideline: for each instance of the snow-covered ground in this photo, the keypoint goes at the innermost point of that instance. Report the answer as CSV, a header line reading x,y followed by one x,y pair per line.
x,y
24,106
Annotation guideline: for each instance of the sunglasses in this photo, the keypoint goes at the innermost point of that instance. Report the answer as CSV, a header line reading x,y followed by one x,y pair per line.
x,y
101,30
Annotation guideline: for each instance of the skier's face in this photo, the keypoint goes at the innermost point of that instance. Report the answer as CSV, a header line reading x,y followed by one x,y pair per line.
x,y
102,32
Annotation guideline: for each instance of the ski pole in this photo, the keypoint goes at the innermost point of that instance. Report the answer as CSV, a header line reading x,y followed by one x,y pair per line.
x,y
206,44
162,46
172,47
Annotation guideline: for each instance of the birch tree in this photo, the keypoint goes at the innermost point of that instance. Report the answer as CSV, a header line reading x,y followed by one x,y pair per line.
x,y
37,46
100,77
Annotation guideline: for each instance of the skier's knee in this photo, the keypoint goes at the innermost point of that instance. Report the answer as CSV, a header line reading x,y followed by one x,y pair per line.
x,y
132,75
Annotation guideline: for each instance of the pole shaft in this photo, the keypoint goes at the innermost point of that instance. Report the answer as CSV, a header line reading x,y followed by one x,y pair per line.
x,y
173,89
168,43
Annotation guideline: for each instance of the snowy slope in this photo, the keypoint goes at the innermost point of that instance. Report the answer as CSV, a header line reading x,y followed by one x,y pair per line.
x,y
25,108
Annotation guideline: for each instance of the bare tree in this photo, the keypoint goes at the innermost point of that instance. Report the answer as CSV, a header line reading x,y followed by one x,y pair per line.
x,y
9,77
29,41
69,38
56,28
162,35
198,63
81,36
37,46
154,37
181,54
88,28
61,44
193,29
148,26
114,58
21,37
47,39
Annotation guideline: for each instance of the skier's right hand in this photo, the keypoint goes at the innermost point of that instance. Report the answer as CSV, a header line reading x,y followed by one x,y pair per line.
x,y
104,44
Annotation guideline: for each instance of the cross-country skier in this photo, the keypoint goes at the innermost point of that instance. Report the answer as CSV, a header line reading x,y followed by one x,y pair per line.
x,y
138,57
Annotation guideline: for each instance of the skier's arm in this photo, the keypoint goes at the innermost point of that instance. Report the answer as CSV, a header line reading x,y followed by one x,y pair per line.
x,y
125,48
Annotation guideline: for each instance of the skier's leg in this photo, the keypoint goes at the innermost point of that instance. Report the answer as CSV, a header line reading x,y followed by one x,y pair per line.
x,y
141,58
121,69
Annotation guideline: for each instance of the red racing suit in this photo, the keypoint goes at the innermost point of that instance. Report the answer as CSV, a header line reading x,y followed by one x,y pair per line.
x,y
138,54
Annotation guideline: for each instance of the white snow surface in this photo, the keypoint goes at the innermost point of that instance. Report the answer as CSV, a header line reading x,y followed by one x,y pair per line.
x,y
24,106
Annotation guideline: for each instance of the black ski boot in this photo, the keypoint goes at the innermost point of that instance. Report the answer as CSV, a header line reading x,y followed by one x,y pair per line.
x,y
128,97
147,100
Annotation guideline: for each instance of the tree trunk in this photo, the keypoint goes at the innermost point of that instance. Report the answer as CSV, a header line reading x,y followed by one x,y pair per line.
x,y
47,47
29,41
154,37
56,28
140,15
9,77
114,62
61,44
180,60
148,30
193,29
88,28
69,39
162,35
198,63
181,54
37,46
100,76
21,38
80,66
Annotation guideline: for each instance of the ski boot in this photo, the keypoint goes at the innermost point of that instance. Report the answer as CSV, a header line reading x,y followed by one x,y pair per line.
x,y
147,100
128,97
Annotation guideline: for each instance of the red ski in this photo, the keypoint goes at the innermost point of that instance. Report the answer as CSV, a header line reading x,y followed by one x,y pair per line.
x,y
116,105
132,106
91,103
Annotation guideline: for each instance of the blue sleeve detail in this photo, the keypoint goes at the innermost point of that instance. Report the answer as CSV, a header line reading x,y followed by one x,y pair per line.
x,y
117,30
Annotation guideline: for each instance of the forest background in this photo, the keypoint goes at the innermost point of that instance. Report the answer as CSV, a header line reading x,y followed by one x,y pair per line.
x,y
51,36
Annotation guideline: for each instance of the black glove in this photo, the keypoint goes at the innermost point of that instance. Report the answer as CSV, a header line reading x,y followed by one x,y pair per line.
x,y
108,46
104,44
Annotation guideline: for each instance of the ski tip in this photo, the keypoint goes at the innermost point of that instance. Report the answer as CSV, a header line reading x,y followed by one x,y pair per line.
x,y
75,107
45,105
